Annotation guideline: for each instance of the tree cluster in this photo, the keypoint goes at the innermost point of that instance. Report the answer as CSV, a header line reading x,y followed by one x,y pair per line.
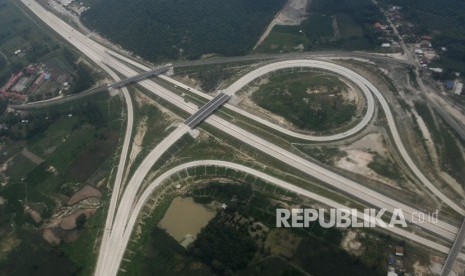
x,y
160,30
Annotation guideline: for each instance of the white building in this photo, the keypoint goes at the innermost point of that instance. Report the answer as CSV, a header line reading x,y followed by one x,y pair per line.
x,y
436,70
458,88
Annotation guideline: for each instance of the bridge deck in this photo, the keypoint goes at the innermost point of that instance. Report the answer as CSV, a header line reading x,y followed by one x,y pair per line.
x,y
142,76
206,110
454,251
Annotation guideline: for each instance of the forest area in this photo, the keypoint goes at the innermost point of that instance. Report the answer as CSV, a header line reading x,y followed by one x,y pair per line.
x,y
165,30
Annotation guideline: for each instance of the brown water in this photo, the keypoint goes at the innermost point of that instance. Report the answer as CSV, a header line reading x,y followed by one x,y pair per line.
x,y
184,216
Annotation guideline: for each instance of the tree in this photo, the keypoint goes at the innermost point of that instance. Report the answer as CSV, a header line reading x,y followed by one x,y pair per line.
x,y
81,221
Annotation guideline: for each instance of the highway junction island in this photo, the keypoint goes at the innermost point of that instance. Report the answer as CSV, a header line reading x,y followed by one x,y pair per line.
x,y
282,160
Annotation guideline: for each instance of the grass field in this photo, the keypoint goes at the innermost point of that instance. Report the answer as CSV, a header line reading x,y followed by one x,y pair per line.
x,y
19,167
316,31
283,39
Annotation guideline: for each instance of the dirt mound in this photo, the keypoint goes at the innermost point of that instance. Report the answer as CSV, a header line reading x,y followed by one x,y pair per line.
x,y
50,237
86,192
69,222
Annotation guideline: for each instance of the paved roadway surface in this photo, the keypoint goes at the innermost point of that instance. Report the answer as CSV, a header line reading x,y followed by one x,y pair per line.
x,y
156,71
95,52
366,87
112,251
454,251
278,182
452,117
207,110
60,99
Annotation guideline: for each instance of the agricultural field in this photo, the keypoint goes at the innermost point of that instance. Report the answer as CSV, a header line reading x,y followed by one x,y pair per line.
x,y
72,149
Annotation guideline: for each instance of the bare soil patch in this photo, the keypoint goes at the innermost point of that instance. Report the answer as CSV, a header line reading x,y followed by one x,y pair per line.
x,y
86,192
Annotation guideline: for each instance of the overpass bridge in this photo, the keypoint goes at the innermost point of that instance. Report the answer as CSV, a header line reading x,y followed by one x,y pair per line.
x,y
207,110
454,251
68,98
156,71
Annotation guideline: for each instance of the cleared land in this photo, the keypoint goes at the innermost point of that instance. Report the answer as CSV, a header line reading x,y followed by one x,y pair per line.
x,y
330,24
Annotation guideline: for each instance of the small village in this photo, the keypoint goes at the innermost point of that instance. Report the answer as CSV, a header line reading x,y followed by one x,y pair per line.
x,y
426,54
36,82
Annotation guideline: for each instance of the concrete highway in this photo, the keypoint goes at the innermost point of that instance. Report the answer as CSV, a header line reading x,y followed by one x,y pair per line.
x,y
178,101
117,186
101,88
286,56
112,251
60,100
162,179
100,55
134,79
447,112
454,252
366,87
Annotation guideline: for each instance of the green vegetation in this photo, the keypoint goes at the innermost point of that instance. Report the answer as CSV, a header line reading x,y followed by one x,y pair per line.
x,y
84,78
18,32
323,154
318,257
167,252
210,76
224,247
34,256
311,101
446,144
385,167
188,28
318,28
76,142
444,20
239,235
340,24
19,166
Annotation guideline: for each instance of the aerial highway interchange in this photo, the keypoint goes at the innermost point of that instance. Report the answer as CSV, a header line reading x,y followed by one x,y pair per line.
x,y
128,199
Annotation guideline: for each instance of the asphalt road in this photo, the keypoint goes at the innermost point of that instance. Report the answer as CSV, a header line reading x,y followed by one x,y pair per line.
x,y
60,100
